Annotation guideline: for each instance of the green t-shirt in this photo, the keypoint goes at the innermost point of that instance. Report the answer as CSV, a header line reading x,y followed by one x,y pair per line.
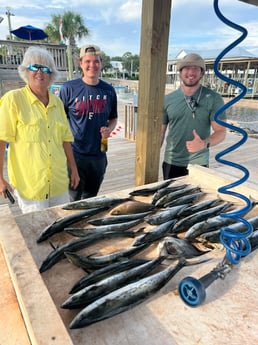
x,y
182,120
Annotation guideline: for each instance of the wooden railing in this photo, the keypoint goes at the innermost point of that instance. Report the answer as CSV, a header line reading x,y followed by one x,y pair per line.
x,y
131,111
12,52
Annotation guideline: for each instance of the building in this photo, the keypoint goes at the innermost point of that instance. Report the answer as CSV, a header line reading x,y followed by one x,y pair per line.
x,y
238,64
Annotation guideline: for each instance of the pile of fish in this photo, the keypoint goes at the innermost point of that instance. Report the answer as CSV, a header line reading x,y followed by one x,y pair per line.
x,y
178,220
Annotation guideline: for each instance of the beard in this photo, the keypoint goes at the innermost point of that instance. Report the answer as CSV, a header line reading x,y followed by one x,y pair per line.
x,y
190,83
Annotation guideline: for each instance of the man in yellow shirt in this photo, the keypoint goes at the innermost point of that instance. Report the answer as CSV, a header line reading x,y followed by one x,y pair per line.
x,y
34,123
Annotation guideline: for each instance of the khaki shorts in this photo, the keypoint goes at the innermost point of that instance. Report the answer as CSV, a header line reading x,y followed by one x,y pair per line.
x,y
39,205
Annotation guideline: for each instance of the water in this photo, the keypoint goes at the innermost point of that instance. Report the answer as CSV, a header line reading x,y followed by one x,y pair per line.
x,y
245,118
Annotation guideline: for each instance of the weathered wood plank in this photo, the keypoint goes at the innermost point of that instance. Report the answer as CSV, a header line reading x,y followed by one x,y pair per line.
x,y
153,57
34,300
164,319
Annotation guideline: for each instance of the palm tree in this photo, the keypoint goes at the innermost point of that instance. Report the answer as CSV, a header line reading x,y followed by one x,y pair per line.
x,y
68,26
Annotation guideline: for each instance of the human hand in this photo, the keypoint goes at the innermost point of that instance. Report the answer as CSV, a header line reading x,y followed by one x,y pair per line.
x,y
196,144
105,132
74,178
4,186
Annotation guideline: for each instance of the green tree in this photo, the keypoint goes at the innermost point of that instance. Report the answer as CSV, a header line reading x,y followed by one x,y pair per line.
x,y
105,62
131,64
72,28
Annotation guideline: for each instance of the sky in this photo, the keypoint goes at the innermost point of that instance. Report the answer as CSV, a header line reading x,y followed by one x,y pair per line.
x,y
115,25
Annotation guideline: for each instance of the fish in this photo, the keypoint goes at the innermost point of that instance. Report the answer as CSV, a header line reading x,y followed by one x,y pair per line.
x,y
151,190
126,297
254,241
161,192
167,198
175,248
185,199
59,224
185,223
211,236
98,201
165,215
92,292
155,234
132,206
202,205
208,225
72,246
95,262
212,232
118,219
81,232
106,271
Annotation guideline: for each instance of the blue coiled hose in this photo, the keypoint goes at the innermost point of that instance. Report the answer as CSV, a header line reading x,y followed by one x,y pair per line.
x,y
236,244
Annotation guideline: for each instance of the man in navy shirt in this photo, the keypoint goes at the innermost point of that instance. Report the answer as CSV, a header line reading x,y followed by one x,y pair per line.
x,y
91,108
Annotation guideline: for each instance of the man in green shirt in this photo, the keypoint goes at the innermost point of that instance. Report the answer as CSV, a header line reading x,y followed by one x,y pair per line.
x,y
189,117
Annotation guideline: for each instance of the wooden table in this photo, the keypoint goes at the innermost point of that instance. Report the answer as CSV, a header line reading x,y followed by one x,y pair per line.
x,y
229,314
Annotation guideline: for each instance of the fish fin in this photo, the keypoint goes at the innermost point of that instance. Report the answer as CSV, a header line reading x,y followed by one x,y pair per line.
x,y
140,231
90,255
53,246
254,201
195,262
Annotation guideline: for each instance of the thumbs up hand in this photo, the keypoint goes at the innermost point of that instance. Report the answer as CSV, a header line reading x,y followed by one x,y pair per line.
x,y
196,144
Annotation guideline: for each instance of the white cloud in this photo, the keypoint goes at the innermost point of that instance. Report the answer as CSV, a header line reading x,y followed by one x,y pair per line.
x,y
115,25
130,10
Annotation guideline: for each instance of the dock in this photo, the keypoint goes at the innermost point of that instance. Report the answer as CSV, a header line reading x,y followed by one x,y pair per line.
x,y
120,177
120,174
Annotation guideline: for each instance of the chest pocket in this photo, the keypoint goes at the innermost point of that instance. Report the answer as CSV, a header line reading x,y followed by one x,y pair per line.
x,y
29,132
58,132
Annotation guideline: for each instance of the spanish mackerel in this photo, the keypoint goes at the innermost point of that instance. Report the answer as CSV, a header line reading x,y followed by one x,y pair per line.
x,y
185,199
94,262
155,234
61,223
118,219
167,198
97,201
126,298
199,206
104,272
163,191
185,223
81,232
211,232
91,293
151,190
165,215
72,246
254,241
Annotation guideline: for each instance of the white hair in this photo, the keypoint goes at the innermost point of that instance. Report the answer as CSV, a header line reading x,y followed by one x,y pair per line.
x,y
37,55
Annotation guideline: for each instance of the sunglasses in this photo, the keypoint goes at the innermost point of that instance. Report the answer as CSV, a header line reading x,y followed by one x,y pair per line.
x,y
36,68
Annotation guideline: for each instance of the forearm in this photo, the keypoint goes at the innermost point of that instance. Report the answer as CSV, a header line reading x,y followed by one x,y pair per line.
x,y
112,124
74,176
163,132
3,182
2,154
217,137
69,155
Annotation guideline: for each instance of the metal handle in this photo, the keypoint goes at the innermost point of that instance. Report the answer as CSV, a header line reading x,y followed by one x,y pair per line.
x,y
192,290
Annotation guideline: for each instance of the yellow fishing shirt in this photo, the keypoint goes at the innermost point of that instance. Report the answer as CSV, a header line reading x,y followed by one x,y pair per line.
x,y
37,165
